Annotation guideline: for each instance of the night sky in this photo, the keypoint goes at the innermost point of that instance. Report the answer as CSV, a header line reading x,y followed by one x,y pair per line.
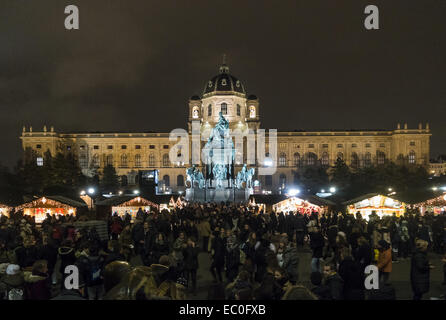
x,y
133,64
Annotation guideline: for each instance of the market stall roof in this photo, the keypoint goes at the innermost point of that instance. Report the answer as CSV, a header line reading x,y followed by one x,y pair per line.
x,y
436,201
64,201
368,196
276,198
123,200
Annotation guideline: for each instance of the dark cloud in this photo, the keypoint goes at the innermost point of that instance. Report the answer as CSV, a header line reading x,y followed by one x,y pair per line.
x,y
133,64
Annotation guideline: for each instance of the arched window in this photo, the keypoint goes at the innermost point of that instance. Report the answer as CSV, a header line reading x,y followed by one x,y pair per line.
x,y
282,159
367,160
209,110
268,180
380,157
224,108
195,112
109,160
166,180
151,160
412,158
252,112
296,159
166,161
325,160
354,161
124,162
138,161
311,159
282,180
95,161
180,180
239,112
340,156
83,161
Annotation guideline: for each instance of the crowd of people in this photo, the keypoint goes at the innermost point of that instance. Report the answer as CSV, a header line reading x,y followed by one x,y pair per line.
x,y
253,255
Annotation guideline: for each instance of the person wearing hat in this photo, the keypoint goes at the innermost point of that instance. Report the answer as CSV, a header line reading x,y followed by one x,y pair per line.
x,y
384,261
420,270
12,285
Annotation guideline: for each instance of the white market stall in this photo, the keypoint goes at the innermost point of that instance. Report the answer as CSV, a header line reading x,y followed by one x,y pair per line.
x,y
382,205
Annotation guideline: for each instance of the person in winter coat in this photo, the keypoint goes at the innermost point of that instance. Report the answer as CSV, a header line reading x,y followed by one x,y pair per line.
x,y
116,228
218,254
126,242
333,281
12,286
384,261
38,282
204,232
190,254
364,253
351,273
91,267
420,270
67,256
291,262
160,248
114,252
317,244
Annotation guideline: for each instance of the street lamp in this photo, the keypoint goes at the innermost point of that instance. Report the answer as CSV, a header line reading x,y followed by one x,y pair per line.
x,y
390,189
136,192
91,190
83,193
293,192
332,189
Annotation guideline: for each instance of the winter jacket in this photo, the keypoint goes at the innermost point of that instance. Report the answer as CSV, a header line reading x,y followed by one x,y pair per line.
x,y
291,263
420,272
37,286
191,258
385,260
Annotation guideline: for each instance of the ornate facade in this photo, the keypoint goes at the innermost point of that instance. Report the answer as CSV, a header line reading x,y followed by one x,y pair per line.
x,y
132,152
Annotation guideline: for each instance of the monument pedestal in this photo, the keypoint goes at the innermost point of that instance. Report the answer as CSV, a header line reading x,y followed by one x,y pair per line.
x,y
218,195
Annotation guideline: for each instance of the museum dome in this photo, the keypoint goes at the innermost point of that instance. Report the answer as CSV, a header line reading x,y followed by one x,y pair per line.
x,y
223,83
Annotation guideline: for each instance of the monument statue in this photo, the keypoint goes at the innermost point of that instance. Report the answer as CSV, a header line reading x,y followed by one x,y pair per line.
x,y
218,176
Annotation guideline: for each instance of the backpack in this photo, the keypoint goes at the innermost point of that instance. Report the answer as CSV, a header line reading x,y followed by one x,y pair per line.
x,y
16,294
94,271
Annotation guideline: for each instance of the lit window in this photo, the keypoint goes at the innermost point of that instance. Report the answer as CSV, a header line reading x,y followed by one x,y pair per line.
x,y
224,108
166,161
138,160
40,161
151,160
252,112
412,158
195,112
325,160
282,159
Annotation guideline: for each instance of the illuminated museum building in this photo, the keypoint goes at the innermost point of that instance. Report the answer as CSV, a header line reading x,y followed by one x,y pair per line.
x,y
131,152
